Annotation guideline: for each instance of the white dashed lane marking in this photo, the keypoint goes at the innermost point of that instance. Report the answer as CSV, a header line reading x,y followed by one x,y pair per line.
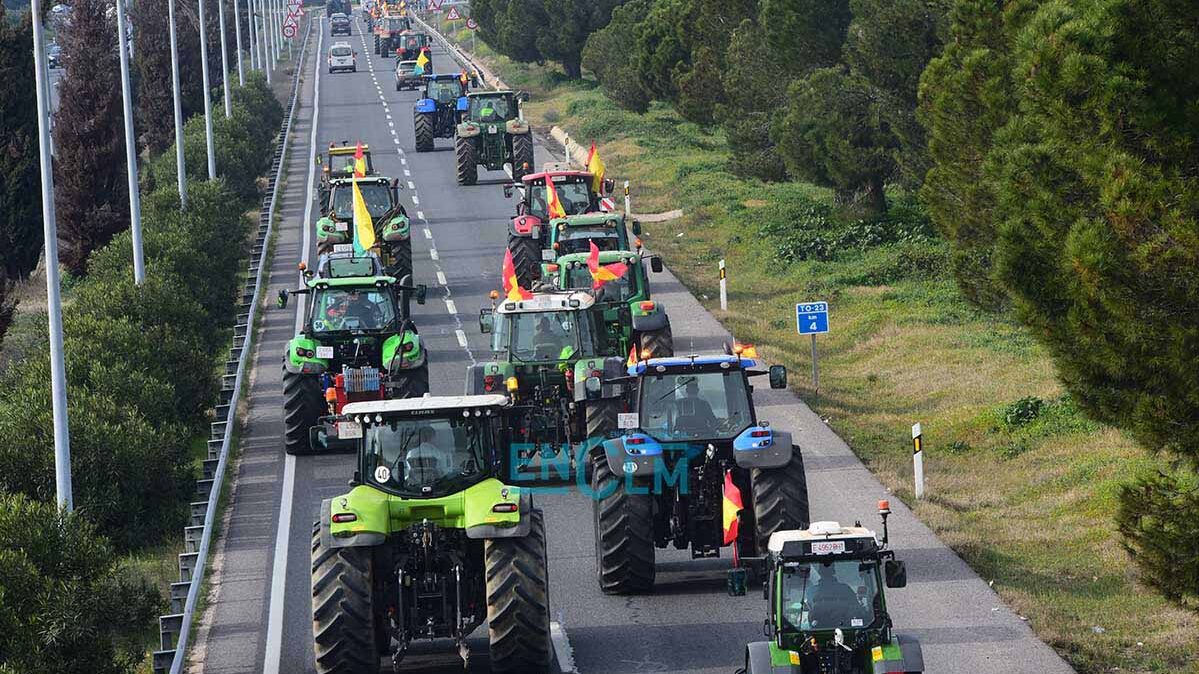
x,y
433,254
441,278
449,306
461,338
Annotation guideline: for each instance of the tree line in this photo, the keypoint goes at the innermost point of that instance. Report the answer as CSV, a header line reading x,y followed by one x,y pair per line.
x,y
1051,142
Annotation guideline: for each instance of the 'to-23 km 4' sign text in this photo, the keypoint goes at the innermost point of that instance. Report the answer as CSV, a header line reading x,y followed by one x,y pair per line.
x,y
811,318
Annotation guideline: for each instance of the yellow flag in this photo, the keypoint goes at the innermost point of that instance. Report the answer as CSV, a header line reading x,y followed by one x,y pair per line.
x,y
364,229
595,165
422,62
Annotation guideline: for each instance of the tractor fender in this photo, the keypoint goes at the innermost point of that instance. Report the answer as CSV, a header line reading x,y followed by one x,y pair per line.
x,y
328,540
913,656
296,364
468,130
636,460
485,531
525,225
757,658
656,320
398,360
425,105
474,379
517,127
397,229
770,452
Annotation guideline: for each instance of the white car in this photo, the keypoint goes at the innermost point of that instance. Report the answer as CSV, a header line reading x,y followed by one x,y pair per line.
x,y
343,57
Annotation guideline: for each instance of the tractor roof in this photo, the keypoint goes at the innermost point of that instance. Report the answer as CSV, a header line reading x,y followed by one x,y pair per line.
x,y
428,404
338,150
590,220
678,363
799,542
352,282
573,300
490,94
345,264
383,180
443,77
554,173
605,256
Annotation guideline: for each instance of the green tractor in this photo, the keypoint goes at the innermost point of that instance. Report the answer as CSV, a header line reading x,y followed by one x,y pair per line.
x,y
492,133
629,313
429,542
554,357
357,342
825,586
393,230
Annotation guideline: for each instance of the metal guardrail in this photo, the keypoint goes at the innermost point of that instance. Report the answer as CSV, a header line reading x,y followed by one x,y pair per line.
x,y
458,54
175,628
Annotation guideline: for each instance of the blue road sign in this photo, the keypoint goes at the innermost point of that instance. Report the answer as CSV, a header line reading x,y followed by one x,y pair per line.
x,y
811,318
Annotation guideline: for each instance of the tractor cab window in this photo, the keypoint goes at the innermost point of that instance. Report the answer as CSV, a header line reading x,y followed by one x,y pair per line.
x,y
337,309
618,290
428,456
541,336
376,195
575,195
444,91
397,24
489,109
578,240
827,595
695,406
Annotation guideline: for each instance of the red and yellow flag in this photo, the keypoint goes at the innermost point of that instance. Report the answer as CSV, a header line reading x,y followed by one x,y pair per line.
x,y
745,350
512,289
595,166
632,357
732,507
359,162
601,274
555,205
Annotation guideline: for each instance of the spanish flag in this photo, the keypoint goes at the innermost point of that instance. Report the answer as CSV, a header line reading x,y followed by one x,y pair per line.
x,y
601,274
512,289
595,166
555,205
364,229
359,163
732,509
422,62
632,357
745,350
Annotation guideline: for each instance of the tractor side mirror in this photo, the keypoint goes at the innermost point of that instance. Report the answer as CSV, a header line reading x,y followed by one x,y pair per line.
x,y
655,264
522,96
594,387
395,183
778,376
896,573
421,293
318,437
319,160
485,320
281,302
636,228
508,191
609,186
737,580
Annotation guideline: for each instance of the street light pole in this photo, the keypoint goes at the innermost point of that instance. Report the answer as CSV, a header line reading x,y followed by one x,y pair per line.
x,y
220,10
241,73
264,42
180,168
135,203
207,96
253,34
58,376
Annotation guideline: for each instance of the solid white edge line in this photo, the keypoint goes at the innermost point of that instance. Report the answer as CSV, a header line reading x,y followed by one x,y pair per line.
x,y
462,342
563,653
273,648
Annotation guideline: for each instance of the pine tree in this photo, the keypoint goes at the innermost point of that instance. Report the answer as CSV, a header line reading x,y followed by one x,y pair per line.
x,y
91,197
20,179
152,59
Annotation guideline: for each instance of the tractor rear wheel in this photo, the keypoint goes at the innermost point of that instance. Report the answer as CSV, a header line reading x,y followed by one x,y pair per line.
x,y
624,533
601,418
780,499
422,123
467,153
303,404
659,343
522,155
518,611
526,258
401,258
410,383
344,630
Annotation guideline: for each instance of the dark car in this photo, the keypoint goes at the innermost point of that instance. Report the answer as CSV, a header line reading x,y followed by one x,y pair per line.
x,y
339,24
54,56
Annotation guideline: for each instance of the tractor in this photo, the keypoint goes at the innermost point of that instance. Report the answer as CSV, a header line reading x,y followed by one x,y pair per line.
x,y
492,133
393,231
825,588
629,313
564,236
339,162
692,440
525,231
439,109
429,542
555,359
357,342
387,32
409,45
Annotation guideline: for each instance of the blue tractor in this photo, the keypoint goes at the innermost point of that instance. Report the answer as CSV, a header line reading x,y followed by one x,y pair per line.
x,y
690,441
437,112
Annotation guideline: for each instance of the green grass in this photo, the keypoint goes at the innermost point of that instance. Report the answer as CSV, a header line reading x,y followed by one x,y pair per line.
x,y
1020,484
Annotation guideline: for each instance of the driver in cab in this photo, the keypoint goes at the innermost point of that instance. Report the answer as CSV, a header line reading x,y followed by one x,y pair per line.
x,y
693,414
548,338
829,602
427,462
354,309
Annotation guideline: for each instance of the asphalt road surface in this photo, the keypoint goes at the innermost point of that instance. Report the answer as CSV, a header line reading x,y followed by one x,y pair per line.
x,y
258,618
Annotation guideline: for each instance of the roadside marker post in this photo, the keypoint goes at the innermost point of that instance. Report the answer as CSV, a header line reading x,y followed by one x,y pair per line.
x,y
811,318
918,459
628,208
724,288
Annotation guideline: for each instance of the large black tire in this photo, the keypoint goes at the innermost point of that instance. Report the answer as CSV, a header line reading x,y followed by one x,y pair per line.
x,y
411,383
468,160
526,258
401,258
345,637
659,343
601,416
624,534
780,499
522,155
303,404
422,124
518,610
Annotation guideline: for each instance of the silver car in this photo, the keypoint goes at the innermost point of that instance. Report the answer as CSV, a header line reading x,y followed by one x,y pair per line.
x,y
343,57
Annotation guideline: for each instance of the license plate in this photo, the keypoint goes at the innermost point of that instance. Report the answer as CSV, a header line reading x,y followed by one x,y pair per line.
x,y
342,226
349,430
827,547
627,420
324,352
549,255
491,129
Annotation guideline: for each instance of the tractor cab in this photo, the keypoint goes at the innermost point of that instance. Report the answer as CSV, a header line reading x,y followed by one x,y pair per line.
x,y
575,190
493,133
338,162
493,107
549,328
342,263
576,233
389,220
410,45
826,588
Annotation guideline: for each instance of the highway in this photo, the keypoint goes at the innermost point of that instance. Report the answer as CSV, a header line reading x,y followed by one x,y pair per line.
x,y
258,616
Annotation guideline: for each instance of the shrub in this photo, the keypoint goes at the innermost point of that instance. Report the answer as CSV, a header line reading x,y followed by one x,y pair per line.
x,y
1159,518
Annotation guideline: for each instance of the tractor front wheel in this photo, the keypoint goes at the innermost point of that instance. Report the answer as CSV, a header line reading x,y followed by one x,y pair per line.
x,y
467,153
518,612
658,343
522,155
344,630
526,259
780,499
303,404
423,126
624,533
